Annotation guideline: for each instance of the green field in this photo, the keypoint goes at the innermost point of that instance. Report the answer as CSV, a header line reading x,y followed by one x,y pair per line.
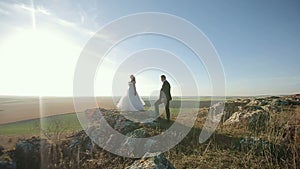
x,y
66,122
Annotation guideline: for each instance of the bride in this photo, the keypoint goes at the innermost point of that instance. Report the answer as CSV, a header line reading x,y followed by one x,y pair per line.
x,y
131,101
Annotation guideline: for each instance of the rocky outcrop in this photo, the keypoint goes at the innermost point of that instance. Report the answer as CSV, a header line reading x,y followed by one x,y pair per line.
x,y
125,126
79,150
97,128
255,112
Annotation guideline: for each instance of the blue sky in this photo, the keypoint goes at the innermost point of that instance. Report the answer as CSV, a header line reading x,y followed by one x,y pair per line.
x,y
258,43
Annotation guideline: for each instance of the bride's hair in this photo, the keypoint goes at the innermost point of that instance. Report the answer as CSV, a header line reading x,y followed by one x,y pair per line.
x,y
132,79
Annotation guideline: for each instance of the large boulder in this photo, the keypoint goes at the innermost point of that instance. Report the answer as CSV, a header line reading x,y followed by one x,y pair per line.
x,y
29,153
79,141
230,107
235,118
256,120
135,147
156,162
279,102
125,126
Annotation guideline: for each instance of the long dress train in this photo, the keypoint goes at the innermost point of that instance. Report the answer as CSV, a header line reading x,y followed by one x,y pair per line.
x,y
131,102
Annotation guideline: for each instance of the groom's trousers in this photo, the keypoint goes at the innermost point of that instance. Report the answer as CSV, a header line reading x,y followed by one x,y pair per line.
x,y
167,108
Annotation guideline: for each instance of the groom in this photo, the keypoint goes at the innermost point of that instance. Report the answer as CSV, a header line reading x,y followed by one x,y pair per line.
x,y
164,97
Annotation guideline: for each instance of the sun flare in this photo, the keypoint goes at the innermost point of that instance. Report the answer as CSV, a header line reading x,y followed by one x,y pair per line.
x,y
39,59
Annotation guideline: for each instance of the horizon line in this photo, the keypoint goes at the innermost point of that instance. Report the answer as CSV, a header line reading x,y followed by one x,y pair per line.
x,y
256,95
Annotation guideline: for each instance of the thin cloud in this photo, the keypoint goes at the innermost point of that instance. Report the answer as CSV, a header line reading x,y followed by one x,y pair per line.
x,y
19,9
47,16
7,8
38,9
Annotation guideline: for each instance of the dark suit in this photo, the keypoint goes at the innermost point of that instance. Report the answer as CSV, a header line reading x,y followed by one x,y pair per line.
x,y
164,97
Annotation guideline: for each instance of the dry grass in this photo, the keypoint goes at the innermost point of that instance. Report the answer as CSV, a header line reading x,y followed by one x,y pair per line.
x,y
276,146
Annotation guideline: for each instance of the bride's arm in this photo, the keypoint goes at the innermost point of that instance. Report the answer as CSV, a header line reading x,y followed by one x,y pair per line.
x,y
134,88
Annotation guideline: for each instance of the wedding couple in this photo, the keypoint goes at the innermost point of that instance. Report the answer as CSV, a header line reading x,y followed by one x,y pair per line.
x,y
133,102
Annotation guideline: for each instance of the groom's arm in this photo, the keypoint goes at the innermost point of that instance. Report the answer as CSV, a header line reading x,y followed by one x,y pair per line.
x,y
163,91
166,90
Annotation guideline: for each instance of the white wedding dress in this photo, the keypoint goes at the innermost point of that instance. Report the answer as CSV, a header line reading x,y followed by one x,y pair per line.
x,y
131,102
